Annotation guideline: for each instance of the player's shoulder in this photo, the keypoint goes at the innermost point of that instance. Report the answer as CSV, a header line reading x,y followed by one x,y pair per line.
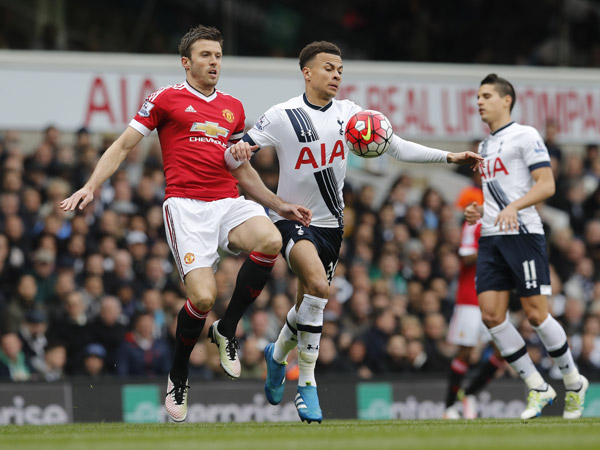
x,y
346,103
291,103
524,131
228,97
277,111
346,106
166,91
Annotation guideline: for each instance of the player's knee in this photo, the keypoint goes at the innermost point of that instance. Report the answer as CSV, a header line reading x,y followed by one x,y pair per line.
x,y
535,318
270,243
310,358
492,320
200,298
318,288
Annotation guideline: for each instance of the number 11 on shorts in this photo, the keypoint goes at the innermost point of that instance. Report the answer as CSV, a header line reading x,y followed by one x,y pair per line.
x,y
530,274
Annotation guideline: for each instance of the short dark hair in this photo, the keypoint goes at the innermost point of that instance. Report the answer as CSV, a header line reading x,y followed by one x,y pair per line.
x,y
314,48
502,85
195,34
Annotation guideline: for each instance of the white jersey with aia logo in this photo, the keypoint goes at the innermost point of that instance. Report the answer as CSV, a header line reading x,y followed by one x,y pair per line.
x,y
511,154
312,154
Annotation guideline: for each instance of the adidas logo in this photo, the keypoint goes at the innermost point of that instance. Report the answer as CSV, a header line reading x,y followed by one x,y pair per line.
x,y
300,402
190,109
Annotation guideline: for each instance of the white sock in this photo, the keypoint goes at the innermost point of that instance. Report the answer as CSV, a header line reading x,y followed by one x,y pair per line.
x,y
554,338
514,350
287,339
309,321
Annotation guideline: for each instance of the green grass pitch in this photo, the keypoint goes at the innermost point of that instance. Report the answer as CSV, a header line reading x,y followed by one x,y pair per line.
x,y
484,434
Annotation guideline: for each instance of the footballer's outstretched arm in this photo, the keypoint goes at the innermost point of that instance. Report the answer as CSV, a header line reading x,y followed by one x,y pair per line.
x,y
408,151
107,165
250,181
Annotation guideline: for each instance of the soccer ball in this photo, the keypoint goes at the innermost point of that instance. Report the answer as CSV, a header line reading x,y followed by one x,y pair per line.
x,y
368,134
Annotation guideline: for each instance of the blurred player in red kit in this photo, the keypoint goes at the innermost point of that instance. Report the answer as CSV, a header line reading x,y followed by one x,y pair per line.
x,y
467,330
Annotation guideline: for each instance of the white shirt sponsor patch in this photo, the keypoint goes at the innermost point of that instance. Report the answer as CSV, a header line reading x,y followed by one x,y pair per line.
x,y
262,123
145,109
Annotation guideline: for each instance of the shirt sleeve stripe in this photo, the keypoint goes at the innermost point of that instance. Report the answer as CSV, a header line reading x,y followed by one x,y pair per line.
x,y
139,127
538,165
248,139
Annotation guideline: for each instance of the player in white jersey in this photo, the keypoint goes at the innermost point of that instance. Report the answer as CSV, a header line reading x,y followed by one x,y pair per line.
x,y
308,134
512,248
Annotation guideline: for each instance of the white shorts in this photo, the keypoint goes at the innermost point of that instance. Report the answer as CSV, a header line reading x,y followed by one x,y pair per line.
x,y
196,229
466,327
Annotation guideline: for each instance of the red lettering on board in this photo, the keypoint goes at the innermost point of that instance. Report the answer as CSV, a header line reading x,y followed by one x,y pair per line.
x,y
98,102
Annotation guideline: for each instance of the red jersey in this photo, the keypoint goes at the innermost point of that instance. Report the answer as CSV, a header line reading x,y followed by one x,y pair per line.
x,y
194,130
469,245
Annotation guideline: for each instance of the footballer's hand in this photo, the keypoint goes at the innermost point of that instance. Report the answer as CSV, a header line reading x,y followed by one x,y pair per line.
x,y
472,213
296,213
466,158
242,150
507,219
80,198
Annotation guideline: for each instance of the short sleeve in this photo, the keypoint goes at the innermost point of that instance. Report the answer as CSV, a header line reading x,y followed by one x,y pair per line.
x,y
240,127
535,153
266,132
149,116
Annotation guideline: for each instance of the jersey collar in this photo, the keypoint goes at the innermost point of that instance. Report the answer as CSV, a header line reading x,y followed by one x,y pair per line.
x,y
315,107
502,128
197,93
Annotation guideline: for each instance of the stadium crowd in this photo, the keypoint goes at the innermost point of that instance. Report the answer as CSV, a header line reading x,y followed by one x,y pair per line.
x,y
96,293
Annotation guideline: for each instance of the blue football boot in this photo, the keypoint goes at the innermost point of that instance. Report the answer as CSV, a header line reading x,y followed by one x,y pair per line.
x,y
307,404
275,383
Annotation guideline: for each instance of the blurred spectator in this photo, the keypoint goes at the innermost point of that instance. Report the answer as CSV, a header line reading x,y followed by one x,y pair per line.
x,y
554,149
261,328
13,364
32,333
416,358
588,361
153,304
432,203
22,301
94,360
395,354
8,272
376,340
154,276
439,352
199,368
44,271
329,361
252,359
356,316
72,328
142,354
55,359
356,357
108,330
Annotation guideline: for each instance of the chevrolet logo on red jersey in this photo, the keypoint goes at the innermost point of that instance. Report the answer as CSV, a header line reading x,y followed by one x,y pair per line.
x,y
210,129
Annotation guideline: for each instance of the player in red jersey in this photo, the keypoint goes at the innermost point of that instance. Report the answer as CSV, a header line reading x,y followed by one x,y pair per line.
x,y
202,209
467,330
